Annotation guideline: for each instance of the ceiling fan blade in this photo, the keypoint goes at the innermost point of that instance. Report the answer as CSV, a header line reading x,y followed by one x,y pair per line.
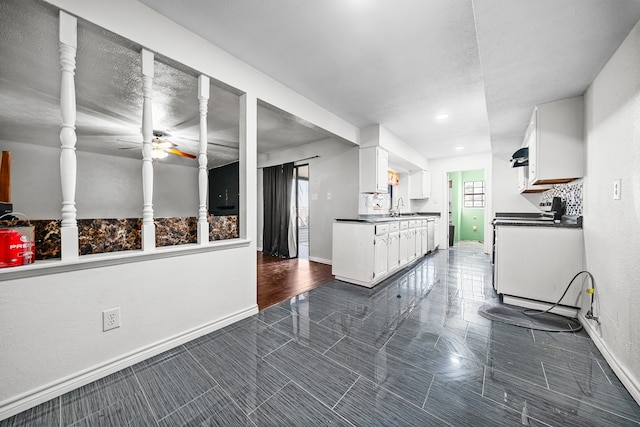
x,y
179,153
223,145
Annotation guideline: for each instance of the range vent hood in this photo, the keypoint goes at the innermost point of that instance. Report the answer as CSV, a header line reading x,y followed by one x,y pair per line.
x,y
520,158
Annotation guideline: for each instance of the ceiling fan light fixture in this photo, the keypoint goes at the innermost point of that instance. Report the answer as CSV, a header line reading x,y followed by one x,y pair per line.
x,y
442,116
158,153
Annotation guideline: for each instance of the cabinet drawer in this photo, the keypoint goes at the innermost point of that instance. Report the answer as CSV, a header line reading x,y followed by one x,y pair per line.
x,y
412,224
382,229
394,226
404,225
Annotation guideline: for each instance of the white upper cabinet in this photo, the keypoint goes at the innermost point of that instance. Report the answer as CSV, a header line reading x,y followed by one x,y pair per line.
x,y
556,143
374,166
420,185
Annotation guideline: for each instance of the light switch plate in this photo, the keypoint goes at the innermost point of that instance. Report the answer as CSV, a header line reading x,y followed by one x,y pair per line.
x,y
616,189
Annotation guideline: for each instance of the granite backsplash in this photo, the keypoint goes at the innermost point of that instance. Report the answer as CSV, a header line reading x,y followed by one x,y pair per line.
x,y
115,235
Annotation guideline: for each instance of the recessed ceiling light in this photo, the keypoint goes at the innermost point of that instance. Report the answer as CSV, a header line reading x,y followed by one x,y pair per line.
x,y
459,148
442,116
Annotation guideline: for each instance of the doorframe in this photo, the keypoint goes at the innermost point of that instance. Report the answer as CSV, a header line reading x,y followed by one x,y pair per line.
x,y
444,213
295,179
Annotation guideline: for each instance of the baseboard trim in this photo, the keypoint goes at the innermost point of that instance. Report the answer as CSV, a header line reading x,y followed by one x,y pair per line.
x,y
320,260
628,380
42,394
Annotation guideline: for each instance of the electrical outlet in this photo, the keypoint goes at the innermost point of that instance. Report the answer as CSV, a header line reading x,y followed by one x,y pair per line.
x,y
110,319
616,189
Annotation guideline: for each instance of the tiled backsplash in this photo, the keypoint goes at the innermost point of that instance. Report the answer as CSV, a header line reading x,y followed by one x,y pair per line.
x,y
571,194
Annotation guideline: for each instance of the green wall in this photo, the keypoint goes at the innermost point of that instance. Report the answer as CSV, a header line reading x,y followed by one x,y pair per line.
x,y
464,219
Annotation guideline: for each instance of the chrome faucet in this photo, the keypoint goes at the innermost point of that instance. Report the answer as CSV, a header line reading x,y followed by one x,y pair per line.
x,y
396,211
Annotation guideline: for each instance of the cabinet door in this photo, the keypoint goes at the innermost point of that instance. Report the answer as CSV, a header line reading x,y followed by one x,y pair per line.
x,y
436,233
418,240
424,238
420,185
532,143
382,182
380,256
411,244
393,251
403,247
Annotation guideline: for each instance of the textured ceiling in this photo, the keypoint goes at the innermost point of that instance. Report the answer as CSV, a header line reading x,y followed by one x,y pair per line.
x,y
486,63
399,63
109,94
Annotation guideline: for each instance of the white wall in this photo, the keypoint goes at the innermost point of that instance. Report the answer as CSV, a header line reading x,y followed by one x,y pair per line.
x,y
107,186
506,197
335,172
612,227
440,190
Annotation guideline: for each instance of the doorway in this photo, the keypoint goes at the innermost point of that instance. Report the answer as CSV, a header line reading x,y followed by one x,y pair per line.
x,y
467,204
300,210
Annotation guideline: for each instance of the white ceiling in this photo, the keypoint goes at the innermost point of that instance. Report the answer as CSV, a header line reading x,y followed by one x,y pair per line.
x,y
395,63
400,63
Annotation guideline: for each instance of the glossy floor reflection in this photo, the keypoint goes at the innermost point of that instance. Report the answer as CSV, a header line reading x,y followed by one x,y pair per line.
x,y
412,351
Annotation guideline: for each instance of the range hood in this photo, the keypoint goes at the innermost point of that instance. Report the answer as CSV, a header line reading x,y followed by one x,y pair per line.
x,y
520,158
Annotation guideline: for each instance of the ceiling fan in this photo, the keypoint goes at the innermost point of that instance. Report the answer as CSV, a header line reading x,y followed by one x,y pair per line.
x,y
161,146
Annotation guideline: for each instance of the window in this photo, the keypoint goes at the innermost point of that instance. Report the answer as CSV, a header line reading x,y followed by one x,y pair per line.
x,y
474,194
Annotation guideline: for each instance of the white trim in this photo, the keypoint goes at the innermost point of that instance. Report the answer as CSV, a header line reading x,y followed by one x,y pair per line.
x,y
40,268
539,305
628,380
320,260
28,400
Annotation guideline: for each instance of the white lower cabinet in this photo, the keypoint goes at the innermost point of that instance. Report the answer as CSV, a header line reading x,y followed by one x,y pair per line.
x,y
537,263
380,253
411,241
365,253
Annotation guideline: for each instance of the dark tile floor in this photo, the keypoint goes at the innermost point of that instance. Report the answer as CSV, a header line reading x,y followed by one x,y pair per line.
x,y
412,351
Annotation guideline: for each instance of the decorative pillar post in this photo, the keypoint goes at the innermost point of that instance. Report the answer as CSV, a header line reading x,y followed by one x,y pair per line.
x,y
248,166
203,179
148,227
68,39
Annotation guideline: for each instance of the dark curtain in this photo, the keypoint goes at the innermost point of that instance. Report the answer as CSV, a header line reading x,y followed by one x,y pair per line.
x,y
277,181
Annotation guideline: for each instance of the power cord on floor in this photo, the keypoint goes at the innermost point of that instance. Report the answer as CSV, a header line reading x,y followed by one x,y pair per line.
x,y
591,290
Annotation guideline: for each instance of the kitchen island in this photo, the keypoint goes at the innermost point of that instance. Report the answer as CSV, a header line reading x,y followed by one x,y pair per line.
x,y
369,249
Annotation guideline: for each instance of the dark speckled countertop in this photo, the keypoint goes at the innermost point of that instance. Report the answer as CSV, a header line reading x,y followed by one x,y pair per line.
x,y
541,220
387,218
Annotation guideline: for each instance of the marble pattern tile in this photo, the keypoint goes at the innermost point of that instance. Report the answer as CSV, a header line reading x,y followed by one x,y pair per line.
x,y
213,408
293,406
308,333
115,399
258,338
171,380
411,351
367,404
45,414
325,379
244,376
376,365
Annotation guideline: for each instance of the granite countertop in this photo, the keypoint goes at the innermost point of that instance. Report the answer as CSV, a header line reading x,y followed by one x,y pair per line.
x,y
539,221
387,218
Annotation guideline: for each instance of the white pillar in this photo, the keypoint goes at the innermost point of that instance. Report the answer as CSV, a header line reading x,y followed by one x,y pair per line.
x,y
203,179
148,227
68,167
248,166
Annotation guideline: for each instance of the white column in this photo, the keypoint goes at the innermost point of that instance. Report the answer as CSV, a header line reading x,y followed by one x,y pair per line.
x,y
203,179
248,166
148,227
68,167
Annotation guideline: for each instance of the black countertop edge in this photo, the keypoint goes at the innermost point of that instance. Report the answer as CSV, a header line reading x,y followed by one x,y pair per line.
x,y
519,214
384,218
525,223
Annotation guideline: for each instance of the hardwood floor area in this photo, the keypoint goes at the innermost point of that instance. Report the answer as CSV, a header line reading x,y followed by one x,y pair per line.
x,y
280,279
